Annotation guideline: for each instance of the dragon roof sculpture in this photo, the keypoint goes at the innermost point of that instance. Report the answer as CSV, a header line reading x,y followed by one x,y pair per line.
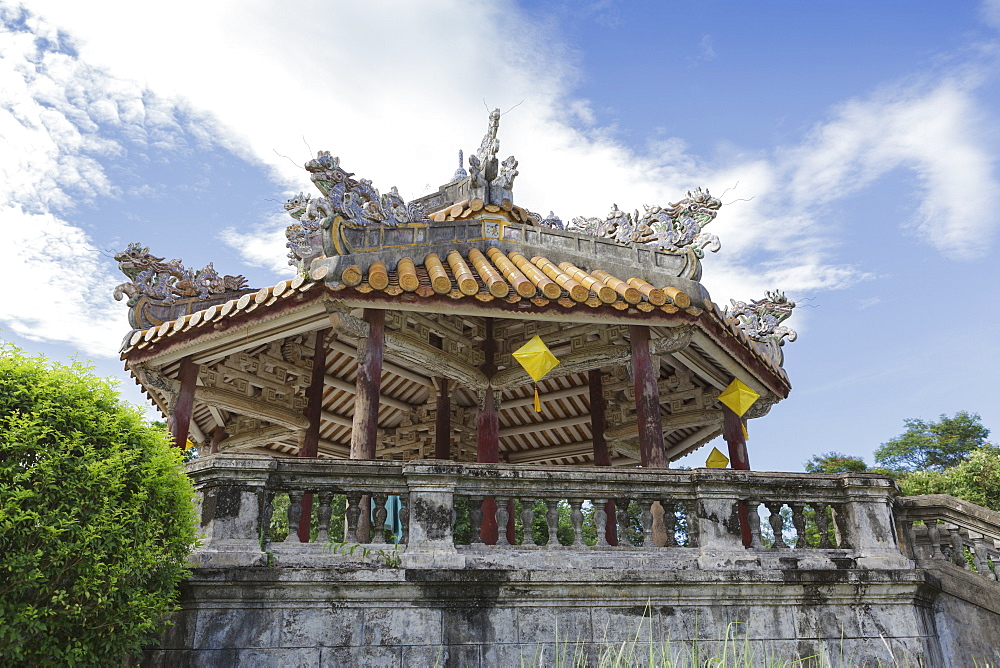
x,y
672,228
761,321
156,287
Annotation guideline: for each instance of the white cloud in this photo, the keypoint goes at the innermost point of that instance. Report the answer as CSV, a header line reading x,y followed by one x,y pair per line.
x,y
263,245
57,119
937,133
58,286
395,88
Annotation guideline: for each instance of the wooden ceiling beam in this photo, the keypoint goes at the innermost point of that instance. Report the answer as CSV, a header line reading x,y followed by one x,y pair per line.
x,y
341,347
693,442
543,426
347,386
565,393
578,449
251,407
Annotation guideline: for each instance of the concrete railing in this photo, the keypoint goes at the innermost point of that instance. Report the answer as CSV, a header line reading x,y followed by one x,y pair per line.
x,y
941,529
688,518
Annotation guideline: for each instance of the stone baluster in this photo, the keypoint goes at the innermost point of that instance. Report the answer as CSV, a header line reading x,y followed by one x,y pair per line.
x,y
601,520
476,518
576,517
621,517
266,513
379,515
670,522
934,536
294,516
502,517
910,538
753,517
693,526
323,515
351,517
823,526
646,517
840,522
979,556
777,523
404,518
957,545
799,522
552,521
528,521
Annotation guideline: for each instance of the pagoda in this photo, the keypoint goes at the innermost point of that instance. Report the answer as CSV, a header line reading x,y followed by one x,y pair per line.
x,y
467,412
394,339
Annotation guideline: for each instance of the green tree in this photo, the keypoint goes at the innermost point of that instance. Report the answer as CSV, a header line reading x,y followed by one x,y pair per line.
x,y
836,462
934,446
96,519
976,480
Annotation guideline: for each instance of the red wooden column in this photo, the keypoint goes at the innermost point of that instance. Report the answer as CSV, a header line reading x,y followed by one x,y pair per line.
x,y
488,435
442,418
218,436
653,451
179,423
314,412
732,432
364,431
598,424
442,422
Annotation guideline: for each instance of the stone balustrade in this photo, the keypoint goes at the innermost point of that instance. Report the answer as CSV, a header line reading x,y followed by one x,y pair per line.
x,y
665,518
940,529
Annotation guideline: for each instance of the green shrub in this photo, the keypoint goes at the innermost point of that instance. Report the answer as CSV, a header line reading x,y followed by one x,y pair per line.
x,y
96,519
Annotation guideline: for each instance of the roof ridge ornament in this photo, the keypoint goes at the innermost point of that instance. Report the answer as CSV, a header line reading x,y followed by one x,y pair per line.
x,y
675,227
492,180
357,202
460,173
167,282
762,318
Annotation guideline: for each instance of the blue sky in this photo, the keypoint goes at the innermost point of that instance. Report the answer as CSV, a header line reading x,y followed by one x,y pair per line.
x,y
858,141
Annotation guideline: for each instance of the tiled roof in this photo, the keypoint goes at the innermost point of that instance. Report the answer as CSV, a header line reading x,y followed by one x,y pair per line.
x,y
513,278
485,277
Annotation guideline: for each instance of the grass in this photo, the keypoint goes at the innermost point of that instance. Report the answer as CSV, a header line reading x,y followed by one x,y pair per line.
x,y
734,649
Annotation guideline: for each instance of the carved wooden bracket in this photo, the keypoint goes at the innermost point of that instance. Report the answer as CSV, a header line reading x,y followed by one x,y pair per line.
x,y
253,407
676,339
422,355
152,378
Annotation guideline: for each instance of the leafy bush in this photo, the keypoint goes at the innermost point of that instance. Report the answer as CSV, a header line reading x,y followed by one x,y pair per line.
x,y
96,520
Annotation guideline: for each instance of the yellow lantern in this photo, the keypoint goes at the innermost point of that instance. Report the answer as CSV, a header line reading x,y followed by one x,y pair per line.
x,y
716,460
738,397
537,360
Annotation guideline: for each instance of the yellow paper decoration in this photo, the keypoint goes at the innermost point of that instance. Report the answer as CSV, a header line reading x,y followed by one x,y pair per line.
x,y
716,460
190,444
537,360
738,397
746,436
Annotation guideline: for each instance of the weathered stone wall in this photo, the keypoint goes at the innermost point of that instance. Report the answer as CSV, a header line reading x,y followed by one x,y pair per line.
x,y
966,616
414,617
884,581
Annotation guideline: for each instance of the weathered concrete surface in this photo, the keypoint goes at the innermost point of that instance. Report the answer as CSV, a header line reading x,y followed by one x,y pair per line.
x,y
966,615
406,617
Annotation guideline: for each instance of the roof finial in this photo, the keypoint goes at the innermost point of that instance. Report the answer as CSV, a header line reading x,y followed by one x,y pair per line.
x,y
491,145
460,173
